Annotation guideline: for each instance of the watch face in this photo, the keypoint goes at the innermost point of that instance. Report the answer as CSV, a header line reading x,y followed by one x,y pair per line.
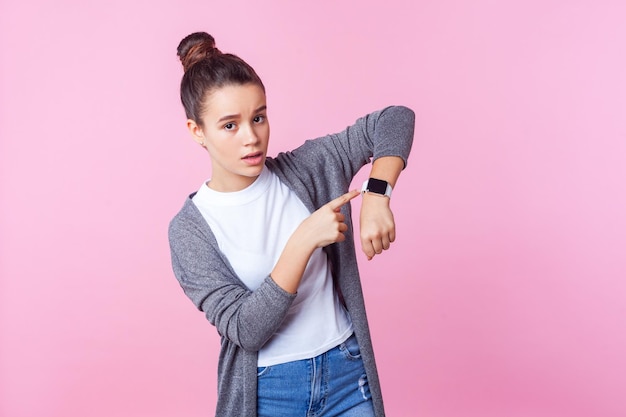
x,y
377,186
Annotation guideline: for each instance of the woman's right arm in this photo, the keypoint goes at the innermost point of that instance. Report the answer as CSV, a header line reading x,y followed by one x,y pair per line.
x,y
248,318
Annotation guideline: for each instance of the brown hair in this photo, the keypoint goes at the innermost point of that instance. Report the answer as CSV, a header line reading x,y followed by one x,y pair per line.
x,y
207,69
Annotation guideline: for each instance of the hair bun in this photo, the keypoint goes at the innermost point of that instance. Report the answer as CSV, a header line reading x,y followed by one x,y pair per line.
x,y
195,48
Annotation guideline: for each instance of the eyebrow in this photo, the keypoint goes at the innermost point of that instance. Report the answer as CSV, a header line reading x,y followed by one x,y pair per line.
x,y
234,116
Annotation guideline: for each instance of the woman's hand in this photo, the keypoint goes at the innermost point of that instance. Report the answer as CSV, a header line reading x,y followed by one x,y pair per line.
x,y
378,228
326,225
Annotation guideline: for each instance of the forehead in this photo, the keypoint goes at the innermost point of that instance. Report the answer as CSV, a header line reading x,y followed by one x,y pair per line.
x,y
234,99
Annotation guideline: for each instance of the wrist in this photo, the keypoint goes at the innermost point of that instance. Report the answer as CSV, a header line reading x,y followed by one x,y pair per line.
x,y
371,200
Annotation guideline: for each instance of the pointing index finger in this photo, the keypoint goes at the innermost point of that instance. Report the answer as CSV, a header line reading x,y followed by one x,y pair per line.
x,y
343,199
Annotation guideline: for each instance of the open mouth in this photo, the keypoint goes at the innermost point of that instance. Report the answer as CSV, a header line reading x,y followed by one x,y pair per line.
x,y
253,158
253,155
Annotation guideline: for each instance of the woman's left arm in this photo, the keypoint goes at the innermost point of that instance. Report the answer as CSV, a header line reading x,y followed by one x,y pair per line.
x,y
325,167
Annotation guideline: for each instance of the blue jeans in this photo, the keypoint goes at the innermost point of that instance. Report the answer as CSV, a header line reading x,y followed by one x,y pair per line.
x,y
331,384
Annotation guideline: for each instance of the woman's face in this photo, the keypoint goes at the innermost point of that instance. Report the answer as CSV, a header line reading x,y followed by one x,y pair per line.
x,y
236,134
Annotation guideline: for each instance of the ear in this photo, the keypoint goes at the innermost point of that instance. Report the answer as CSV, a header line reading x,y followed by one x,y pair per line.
x,y
196,131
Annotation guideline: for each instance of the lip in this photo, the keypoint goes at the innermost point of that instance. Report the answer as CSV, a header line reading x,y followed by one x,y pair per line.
x,y
253,158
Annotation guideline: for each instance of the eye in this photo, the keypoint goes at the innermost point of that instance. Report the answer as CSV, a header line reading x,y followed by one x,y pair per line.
x,y
259,119
229,126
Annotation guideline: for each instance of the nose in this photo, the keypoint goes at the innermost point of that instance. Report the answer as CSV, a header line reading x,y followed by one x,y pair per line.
x,y
250,136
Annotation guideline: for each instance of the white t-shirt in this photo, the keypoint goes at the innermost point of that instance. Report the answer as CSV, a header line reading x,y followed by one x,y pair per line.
x,y
252,227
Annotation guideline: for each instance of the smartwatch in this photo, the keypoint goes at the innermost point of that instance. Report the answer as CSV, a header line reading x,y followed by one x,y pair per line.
x,y
376,186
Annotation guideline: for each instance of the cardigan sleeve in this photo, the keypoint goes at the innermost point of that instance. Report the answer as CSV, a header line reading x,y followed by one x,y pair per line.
x,y
339,156
388,132
246,318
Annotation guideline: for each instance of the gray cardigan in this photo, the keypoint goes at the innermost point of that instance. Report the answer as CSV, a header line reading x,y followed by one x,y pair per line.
x,y
318,171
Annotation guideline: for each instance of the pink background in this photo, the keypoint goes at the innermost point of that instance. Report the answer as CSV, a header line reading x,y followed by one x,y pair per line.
x,y
504,294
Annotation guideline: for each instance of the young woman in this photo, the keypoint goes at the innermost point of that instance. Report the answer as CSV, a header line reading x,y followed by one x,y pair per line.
x,y
265,246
